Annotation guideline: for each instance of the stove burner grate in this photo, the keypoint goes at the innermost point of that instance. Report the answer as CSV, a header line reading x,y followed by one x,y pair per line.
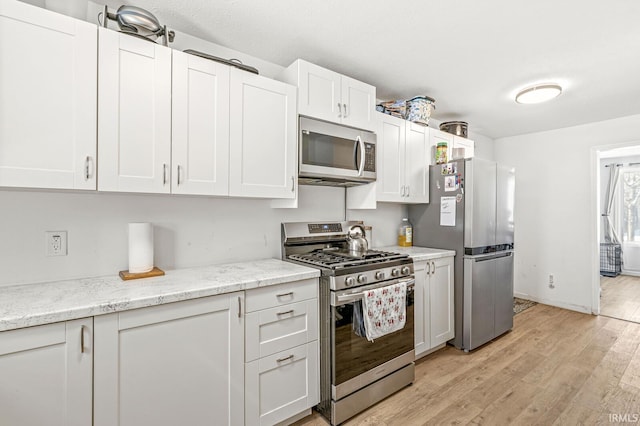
x,y
335,259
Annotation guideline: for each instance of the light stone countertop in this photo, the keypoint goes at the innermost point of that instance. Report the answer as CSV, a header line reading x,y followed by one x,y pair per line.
x,y
420,254
36,304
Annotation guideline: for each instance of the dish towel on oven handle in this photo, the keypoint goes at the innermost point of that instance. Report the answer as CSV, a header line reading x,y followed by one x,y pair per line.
x,y
384,310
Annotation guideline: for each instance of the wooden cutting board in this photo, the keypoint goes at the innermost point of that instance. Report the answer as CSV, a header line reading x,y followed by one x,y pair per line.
x,y
155,272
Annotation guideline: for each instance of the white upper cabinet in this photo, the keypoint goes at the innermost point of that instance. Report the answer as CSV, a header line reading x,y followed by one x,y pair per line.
x,y
134,114
263,137
465,144
417,160
403,158
329,96
47,99
453,142
390,158
200,131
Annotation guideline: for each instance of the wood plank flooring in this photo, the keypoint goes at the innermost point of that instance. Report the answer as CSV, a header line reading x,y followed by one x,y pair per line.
x,y
556,367
620,297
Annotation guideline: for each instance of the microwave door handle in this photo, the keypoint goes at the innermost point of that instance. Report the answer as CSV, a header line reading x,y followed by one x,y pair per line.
x,y
362,155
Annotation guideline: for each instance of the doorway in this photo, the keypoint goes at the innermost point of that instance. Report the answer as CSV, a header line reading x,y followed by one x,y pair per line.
x,y
617,287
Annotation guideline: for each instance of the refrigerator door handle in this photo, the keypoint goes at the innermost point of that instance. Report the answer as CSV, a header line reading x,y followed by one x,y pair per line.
x,y
484,258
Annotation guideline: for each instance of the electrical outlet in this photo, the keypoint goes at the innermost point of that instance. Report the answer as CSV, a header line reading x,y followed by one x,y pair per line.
x,y
56,243
551,281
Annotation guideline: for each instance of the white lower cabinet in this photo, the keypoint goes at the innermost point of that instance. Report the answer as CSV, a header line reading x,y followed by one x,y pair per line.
x,y
179,363
281,370
46,374
434,304
281,385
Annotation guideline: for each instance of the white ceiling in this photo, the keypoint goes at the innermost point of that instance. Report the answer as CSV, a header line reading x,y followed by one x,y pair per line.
x,y
470,55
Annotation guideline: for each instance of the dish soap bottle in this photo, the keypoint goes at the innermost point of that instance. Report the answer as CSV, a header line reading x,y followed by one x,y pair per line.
x,y
405,233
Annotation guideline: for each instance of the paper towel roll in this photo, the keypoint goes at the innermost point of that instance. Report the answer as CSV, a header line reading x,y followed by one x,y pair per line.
x,y
140,247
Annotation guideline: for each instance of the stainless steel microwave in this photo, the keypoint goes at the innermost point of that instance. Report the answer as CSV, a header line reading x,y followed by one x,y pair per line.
x,y
331,154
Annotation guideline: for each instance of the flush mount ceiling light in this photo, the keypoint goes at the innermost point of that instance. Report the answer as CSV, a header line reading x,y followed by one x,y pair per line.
x,y
538,93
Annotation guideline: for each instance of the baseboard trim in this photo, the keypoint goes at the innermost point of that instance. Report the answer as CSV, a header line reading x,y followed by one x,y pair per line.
x,y
568,306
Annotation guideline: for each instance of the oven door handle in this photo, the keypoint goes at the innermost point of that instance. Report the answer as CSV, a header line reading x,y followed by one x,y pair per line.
x,y
348,297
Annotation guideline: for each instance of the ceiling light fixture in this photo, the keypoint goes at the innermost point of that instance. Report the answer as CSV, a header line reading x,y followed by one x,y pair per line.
x,y
538,93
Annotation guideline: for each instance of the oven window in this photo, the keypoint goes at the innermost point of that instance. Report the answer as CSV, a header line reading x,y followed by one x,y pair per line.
x,y
329,151
355,355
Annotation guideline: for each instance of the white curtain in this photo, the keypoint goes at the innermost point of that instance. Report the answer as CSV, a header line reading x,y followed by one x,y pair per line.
x,y
610,234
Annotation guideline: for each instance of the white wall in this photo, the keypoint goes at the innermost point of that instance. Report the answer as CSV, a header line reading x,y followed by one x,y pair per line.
x,y
189,231
555,213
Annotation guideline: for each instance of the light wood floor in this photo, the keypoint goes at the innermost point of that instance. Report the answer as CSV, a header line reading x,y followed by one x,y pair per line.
x,y
556,367
620,297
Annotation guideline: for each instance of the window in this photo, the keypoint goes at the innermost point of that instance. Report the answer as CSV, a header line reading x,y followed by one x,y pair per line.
x,y
630,203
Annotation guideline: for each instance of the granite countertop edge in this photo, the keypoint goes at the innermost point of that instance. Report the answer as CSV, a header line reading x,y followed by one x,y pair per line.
x,y
420,254
28,305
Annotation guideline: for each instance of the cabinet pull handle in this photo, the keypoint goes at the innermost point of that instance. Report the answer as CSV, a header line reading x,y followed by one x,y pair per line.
x,y
402,191
285,294
285,313
87,168
179,171
287,358
164,174
408,189
339,109
239,307
293,184
345,110
433,267
82,339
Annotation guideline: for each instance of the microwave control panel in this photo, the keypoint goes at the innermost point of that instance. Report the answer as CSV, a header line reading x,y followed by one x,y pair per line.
x,y
370,157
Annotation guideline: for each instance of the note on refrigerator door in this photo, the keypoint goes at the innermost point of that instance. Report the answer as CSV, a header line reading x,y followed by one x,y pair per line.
x,y
447,211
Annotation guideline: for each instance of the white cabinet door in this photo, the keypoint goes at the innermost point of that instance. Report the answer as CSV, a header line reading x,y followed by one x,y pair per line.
x,y
467,144
417,163
173,364
329,96
134,114
358,104
282,385
390,158
48,102
318,92
46,375
441,288
422,316
200,131
402,160
263,137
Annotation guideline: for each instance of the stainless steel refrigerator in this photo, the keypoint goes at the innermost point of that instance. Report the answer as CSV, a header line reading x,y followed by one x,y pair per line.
x,y
471,211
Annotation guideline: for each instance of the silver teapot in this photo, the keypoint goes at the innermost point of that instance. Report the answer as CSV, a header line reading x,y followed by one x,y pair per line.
x,y
358,243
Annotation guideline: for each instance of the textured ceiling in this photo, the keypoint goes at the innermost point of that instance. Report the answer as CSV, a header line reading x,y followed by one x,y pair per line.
x,y
470,55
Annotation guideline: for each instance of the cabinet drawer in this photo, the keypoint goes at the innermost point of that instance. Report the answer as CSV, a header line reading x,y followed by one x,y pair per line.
x,y
277,295
267,400
273,330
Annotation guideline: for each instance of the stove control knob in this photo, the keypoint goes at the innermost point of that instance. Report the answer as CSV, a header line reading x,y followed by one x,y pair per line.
x,y
350,281
395,272
362,279
406,270
380,275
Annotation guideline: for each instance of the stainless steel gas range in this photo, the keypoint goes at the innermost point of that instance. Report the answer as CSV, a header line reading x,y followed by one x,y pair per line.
x,y
355,373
